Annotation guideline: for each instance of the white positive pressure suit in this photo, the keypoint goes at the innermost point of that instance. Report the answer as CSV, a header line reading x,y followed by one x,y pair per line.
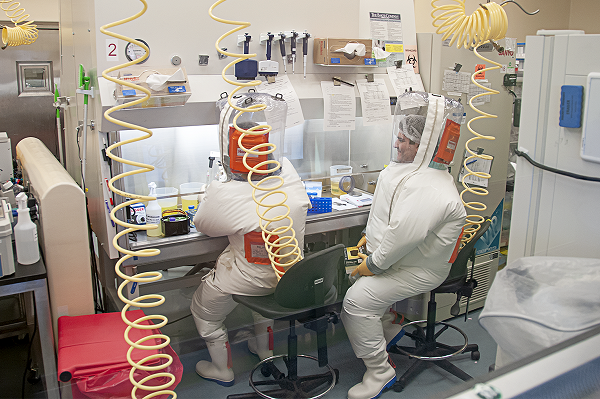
x,y
415,221
229,210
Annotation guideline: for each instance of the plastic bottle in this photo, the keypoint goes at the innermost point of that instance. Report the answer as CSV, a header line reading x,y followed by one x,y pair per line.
x,y
153,213
26,238
191,213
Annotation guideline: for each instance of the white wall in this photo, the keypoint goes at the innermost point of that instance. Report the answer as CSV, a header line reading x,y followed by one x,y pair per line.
x,y
554,14
41,10
584,15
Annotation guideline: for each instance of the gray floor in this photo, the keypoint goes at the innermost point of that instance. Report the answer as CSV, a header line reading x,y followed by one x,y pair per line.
x,y
431,383
191,348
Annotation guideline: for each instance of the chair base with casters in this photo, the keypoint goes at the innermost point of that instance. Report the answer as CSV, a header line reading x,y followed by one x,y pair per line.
x,y
299,296
427,350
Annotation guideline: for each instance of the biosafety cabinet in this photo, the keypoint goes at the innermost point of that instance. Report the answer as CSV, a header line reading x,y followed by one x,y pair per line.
x,y
185,136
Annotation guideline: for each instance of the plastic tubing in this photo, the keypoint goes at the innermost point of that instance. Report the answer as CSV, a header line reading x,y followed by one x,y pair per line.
x,y
279,259
21,33
144,301
488,22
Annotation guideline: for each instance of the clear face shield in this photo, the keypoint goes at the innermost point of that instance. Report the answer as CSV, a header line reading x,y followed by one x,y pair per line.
x,y
416,127
263,140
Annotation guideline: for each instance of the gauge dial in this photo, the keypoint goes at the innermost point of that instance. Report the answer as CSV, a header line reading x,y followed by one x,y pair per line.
x,y
134,52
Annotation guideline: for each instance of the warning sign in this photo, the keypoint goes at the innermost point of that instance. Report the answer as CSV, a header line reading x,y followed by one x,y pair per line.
x,y
480,75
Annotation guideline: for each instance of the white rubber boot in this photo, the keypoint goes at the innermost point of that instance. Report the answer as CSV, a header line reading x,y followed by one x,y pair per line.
x,y
219,370
261,343
391,331
379,376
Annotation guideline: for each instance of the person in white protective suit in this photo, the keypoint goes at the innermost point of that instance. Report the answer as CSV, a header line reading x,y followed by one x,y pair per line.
x,y
243,268
412,233
229,210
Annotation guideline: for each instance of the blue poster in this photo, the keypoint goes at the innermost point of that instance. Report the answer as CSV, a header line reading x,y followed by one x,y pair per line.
x,y
490,240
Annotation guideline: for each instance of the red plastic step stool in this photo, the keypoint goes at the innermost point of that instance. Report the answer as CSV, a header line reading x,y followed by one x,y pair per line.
x,y
92,355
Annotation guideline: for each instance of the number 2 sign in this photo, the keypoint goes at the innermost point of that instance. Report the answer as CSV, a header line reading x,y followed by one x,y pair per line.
x,y
111,50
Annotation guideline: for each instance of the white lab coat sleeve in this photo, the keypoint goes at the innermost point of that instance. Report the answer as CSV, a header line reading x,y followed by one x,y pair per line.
x,y
416,212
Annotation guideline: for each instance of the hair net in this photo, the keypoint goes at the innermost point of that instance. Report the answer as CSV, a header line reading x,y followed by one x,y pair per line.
x,y
412,127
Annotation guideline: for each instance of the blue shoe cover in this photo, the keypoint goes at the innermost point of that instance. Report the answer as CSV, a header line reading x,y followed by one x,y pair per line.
x,y
395,340
388,385
222,383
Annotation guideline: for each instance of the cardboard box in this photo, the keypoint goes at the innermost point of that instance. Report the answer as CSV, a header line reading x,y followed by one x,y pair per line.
x,y
324,52
352,259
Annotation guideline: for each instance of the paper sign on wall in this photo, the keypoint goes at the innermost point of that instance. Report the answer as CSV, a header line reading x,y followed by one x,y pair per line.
x,y
411,57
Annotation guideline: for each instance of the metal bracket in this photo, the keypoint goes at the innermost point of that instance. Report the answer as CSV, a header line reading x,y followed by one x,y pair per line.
x,y
222,56
370,77
62,102
89,92
203,59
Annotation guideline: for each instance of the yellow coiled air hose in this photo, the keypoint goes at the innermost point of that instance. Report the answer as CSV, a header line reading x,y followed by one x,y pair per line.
x,y
280,261
141,301
487,23
25,33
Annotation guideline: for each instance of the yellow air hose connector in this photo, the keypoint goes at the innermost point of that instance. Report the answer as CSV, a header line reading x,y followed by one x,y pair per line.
x,y
283,251
487,23
145,301
23,32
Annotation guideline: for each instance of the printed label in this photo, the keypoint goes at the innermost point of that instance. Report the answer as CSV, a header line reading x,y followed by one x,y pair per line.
x,y
241,152
258,251
335,60
176,89
480,75
153,219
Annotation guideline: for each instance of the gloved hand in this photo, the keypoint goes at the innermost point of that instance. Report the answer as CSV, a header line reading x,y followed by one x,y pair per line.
x,y
362,269
362,241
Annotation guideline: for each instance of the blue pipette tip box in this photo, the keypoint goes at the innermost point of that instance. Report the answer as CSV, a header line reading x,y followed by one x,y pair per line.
x,y
320,205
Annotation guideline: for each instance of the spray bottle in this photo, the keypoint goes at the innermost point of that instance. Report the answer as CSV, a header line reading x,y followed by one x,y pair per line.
x,y
153,213
26,238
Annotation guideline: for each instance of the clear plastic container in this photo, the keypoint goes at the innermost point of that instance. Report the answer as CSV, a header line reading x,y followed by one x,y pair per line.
x,y
189,200
337,172
167,203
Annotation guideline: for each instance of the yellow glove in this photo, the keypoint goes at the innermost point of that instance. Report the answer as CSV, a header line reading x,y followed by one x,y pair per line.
x,y
362,269
362,242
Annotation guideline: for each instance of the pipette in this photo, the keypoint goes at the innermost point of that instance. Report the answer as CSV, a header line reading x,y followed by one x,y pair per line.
x,y
268,68
305,37
282,48
293,47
